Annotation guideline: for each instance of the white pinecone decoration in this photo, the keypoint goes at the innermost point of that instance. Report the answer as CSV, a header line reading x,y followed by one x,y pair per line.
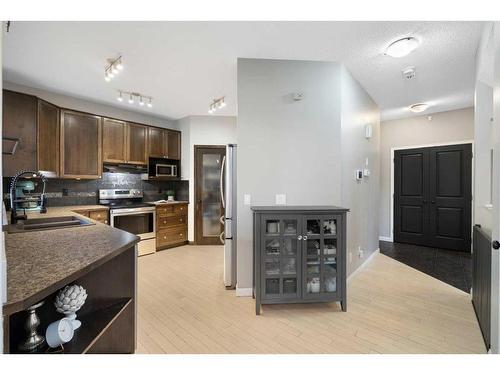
x,y
70,299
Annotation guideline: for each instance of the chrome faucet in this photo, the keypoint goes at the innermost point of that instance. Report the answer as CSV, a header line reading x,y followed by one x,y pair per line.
x,y
14,217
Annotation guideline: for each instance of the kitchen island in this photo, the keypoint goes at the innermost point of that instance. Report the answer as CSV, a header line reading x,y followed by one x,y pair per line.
x,y
98,257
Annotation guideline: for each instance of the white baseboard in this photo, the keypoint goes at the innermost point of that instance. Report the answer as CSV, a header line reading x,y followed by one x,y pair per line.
x,y
368,260
244,292
384,238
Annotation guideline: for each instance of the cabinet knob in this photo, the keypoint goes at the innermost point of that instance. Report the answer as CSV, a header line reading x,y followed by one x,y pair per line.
x,y
164,237
180,234
164,221
105,221
299,237
305,238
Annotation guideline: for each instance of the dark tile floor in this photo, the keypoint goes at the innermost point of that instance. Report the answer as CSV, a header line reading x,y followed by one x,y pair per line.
x,y
451,267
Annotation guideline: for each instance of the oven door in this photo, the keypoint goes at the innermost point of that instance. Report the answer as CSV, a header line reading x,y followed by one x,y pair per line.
x,y
139,221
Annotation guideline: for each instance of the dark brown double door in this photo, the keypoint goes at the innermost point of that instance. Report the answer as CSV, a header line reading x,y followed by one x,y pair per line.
x,y
432,196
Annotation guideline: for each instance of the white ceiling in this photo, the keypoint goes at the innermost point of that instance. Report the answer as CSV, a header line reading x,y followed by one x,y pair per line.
x,y
183,65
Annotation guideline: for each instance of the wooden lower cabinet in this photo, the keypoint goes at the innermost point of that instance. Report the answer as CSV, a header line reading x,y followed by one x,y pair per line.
x,y
98,215
171,225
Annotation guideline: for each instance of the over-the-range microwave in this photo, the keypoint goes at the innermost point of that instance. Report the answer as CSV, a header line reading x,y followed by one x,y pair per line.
x,y
166,170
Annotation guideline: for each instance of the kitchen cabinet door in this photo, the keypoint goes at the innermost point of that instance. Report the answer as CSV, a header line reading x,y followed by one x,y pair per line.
x,y
157,143
48,137
81,148
137,137
114,140
174,145
19,126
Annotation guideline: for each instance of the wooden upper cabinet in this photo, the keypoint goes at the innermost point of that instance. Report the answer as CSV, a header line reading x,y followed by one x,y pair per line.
x,y
81,145
19,124
114,141
137,138
157,147
174,145
48,137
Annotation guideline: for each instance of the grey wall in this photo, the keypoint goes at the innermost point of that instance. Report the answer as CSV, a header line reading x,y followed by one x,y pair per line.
x,y
285,146
361,197
202,130
93,107
445,127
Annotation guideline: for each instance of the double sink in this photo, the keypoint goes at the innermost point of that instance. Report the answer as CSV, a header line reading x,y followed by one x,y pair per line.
x,y
32,225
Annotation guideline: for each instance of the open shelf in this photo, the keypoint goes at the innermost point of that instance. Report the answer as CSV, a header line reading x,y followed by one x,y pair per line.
x,y
94,325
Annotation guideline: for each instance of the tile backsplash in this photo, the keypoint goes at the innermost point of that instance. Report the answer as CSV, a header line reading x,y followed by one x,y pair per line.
x,y
65,192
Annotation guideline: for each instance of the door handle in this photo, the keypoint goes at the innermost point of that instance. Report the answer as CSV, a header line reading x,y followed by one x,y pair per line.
x,y
495,244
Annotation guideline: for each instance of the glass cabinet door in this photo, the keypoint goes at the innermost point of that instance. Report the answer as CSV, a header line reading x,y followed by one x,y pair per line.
x,y
320,256
281,257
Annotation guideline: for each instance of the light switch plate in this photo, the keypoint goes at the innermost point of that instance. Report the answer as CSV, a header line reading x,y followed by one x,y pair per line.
x,y
280,198
247,199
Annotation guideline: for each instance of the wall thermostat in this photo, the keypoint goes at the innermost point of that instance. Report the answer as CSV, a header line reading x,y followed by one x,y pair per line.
x,y
359,174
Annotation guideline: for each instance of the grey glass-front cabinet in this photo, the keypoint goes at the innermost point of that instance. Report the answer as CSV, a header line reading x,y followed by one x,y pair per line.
x,y
299,254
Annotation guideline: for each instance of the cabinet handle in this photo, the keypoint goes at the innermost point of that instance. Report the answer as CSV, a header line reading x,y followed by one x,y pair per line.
x,y
180,234
305,238
164,237
164,221
105,221
299,237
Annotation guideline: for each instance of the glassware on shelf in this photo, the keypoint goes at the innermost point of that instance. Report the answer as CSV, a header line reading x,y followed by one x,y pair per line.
x,y
313,226
272,247
289,266
272,266
290,246
313,285
312,247
272,226
331,266
330,226
331,284
290,226
289,285
330,247
272,286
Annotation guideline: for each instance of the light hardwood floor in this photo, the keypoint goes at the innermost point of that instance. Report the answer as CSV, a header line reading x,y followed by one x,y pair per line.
x,y
392,308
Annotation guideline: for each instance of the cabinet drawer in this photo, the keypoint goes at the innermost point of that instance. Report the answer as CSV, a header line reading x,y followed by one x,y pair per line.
x,y
171,221
171,210
171,236
100,216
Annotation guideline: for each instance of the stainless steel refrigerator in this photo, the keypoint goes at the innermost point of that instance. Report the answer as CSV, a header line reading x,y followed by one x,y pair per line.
x,y
228,196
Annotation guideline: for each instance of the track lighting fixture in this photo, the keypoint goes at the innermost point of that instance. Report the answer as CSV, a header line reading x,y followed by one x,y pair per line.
x,y
113,67
216,104
135,96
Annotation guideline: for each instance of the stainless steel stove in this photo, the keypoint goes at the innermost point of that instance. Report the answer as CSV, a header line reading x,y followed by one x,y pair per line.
x,y
130,213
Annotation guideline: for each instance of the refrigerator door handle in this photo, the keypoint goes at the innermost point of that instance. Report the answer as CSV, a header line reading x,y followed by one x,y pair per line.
x,y
221,238
221,182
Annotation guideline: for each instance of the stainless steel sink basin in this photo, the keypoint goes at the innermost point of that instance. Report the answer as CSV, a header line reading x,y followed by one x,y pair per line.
x,y
48,223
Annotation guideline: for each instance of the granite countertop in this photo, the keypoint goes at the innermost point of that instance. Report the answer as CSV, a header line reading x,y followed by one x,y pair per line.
x,y
168,203
41,262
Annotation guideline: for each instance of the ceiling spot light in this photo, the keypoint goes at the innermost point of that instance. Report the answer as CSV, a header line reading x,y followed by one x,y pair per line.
x,y
216,104
134,97
419,107
402,47
113,67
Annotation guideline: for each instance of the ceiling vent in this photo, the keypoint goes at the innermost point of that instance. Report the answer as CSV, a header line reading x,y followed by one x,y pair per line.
x,y
409,73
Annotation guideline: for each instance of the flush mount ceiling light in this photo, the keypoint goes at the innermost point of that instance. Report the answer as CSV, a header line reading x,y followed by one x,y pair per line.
x,y
113,67
419,107
216,104
134,97
402,47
